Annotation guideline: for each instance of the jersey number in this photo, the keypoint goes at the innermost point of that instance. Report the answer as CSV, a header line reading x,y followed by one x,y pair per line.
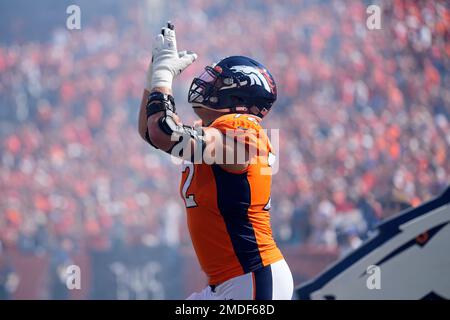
x,y
188,199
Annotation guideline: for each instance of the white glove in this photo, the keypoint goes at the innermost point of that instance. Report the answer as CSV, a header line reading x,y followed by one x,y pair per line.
x,y
167,62
149,74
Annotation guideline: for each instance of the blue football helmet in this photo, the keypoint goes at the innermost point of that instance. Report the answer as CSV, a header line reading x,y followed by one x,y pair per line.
x,y
236,84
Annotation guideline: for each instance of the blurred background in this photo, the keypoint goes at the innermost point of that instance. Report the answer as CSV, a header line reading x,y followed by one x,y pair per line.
x,y
363,118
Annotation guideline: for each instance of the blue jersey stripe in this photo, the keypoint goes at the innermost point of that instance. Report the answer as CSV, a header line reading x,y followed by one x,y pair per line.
x,y
233,200
263,283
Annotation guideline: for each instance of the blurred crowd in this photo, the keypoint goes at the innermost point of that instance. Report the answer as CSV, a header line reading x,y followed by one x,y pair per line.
x,y
364,119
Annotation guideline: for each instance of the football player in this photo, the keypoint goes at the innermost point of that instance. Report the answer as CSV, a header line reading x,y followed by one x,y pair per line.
x,y
227,202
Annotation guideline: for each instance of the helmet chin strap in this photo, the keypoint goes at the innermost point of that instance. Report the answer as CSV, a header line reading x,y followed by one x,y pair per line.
x,y
238,109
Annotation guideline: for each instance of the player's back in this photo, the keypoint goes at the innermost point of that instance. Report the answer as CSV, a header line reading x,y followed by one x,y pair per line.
x,y
228,212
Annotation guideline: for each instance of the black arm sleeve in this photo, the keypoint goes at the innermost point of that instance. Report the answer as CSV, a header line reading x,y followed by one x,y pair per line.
x,y
181,135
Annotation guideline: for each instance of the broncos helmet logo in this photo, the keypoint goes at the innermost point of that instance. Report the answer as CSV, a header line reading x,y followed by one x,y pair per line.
x,y
257,76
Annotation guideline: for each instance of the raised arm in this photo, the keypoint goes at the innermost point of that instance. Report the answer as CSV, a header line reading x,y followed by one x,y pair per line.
x,y
159,124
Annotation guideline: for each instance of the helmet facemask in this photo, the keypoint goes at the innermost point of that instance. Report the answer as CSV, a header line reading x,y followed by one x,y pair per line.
x,y
204,87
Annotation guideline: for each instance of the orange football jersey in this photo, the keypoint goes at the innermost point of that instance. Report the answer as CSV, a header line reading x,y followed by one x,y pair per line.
x,y
228,212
